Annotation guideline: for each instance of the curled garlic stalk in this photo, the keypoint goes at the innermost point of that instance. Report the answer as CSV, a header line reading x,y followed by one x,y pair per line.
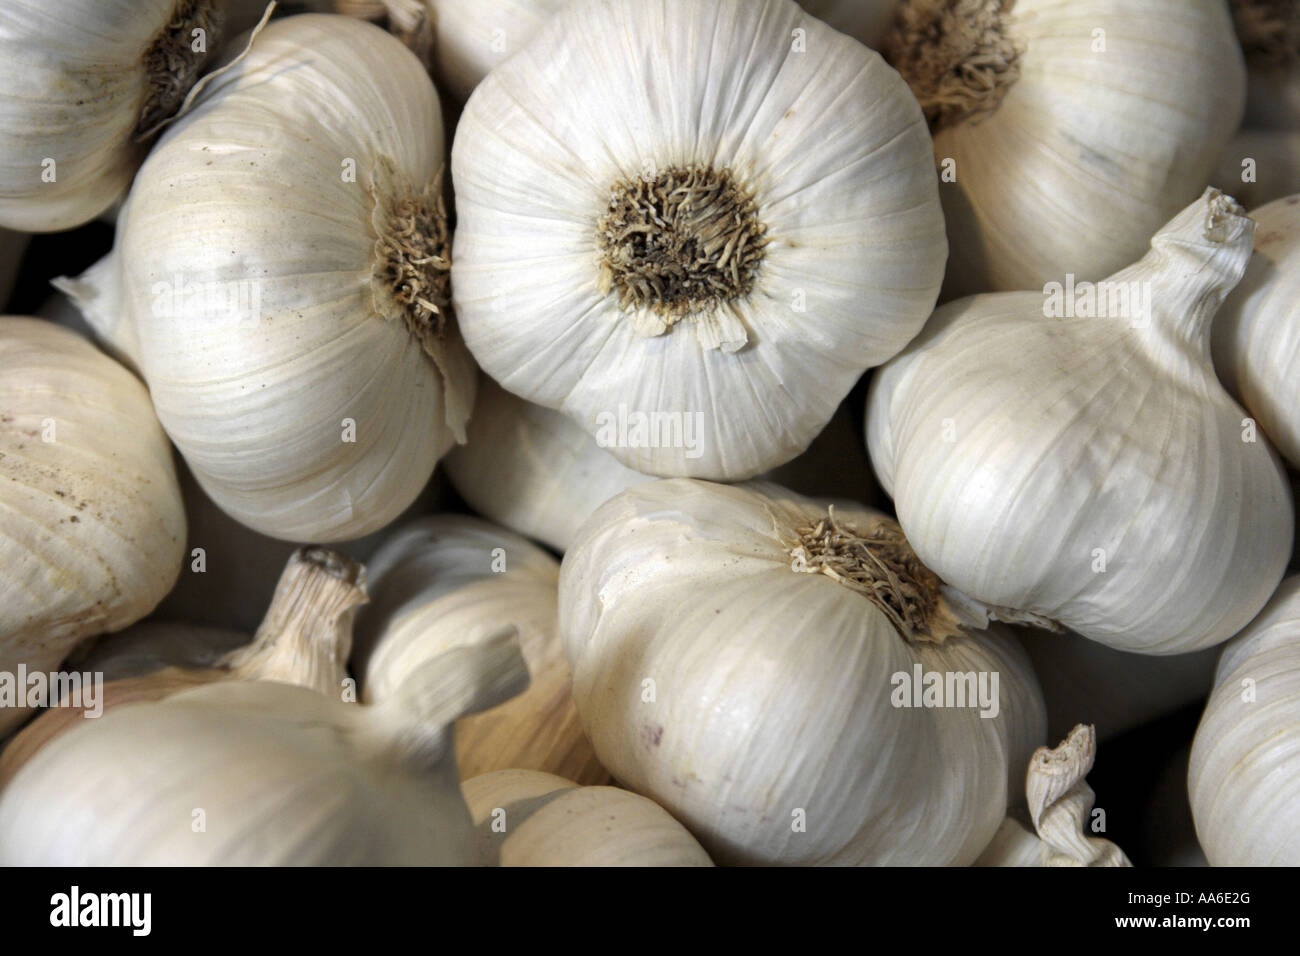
x,y
1060,802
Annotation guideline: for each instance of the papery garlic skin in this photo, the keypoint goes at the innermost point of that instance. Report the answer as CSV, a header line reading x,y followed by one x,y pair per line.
x,y
839,250
754,702
472,37
78,94
450,581
91,524
551,821
1244,775
1257,331
314,407
1092,471
261,773
1088,124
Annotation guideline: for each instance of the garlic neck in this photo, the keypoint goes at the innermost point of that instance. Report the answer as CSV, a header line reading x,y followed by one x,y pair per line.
x,y
1193,263
1060,803
957,56
172,64
306,636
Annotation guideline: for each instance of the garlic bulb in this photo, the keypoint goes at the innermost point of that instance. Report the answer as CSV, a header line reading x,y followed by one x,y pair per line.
x,y
532,468
1072,456
536,471
754,664
1119,690
472,36
91,524
526,818
1060,808
289,316
1244,778
304,639
1260,166
241,773
450,581
1067,131
85,85
697,289
1257,332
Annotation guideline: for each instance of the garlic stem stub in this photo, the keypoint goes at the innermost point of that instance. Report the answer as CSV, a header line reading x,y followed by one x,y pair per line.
x,y
290,316
91,521
789,682
304,639
86,83
1060,803
1066,131
261,773
697,267
527,818
1244,775
1257,332
448,581
1071,454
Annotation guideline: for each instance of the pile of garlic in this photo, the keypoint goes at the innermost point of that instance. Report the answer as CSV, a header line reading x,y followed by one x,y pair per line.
x,y
837,401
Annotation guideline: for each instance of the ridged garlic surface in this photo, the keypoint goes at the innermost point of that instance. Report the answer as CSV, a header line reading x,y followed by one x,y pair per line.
x,y
450,581
527,818
472,37
742,656
261,773
1244,777
1067,131
83,84
1087,467
91,523
1257,331
279,278
646,241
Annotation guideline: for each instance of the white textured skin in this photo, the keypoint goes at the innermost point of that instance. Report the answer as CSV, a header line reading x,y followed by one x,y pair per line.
x,y
550,821
472,37
609,87
1257,332
772,688
1244,777
92,529
1071,435
1090,153
257,409
285,776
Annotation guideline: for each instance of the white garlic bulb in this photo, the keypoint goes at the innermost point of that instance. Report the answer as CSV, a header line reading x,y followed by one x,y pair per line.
x,y
1070,453
1067,131
471,37
697,289
289,316
1244,777
527,818
790,683
85,84
304,639
1257,331
261,773
449,581
533,469
91,518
